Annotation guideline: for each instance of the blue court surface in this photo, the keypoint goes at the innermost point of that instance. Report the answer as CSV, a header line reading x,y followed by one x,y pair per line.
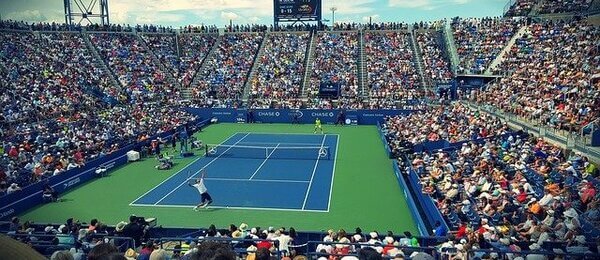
x,y
256,171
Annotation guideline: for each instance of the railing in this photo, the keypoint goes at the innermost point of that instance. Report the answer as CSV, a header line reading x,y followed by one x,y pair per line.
x,y
536,126
238,245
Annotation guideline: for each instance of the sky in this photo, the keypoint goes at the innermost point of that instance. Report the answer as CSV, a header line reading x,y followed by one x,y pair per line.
x,y
177,13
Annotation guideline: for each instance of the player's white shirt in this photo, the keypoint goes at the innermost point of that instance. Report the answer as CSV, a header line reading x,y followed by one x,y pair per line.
x,y
200,186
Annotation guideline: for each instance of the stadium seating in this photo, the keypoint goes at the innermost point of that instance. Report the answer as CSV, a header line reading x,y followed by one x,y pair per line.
x,y
480,40
437,67
391,69
39,71
224,75
194,49
556,92
496,188
133,66
336,61
278,80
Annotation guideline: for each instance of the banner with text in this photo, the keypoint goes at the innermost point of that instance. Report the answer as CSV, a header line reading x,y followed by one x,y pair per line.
x,y
304,116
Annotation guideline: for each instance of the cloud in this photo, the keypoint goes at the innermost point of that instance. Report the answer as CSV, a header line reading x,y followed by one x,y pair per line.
x,y
348,7
374,18
26,15
229,15
159,17
425,4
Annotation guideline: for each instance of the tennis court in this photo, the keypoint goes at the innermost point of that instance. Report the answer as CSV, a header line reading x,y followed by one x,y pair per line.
x,y
295,170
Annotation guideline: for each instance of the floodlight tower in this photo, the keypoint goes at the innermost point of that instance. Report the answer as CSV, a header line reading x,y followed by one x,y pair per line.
x,y
87,10
333,9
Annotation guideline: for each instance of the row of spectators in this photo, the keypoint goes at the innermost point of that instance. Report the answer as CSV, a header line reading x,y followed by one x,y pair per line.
x,y
335,62
563,6
221,82
194,49
551,66
391,71
517,193
524,7
520,8
133,66
280,70
480,40
437,67
32,152
38,75
164,46
453,123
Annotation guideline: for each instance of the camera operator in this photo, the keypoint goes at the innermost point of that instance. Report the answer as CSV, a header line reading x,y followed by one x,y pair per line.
x,y
136,229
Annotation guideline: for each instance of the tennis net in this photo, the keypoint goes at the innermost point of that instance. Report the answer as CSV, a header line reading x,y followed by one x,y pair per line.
x,y
271,152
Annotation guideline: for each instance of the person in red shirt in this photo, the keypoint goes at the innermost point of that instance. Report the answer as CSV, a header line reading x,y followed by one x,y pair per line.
x,y
462,231
13,153
264,243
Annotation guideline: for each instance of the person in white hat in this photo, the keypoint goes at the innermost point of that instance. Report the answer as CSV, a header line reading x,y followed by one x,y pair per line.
x,y
13,188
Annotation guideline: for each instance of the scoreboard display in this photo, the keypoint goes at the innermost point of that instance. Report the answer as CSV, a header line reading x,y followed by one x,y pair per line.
x,y
297,9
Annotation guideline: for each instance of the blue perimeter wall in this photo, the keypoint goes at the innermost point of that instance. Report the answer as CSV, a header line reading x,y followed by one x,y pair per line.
x,y
306,116
31,196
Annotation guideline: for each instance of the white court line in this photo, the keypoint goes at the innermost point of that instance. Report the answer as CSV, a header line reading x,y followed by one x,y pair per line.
x,y
194,161
264,161
203,167
275,133
233,207
313,175
333,173
257,180
284,144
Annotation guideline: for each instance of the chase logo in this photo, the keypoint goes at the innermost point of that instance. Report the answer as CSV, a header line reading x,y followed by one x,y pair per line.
x,y
269,114
296,113
322,114
7,213
71,183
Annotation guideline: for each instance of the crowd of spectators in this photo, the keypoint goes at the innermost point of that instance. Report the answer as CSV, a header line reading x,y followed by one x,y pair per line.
x,y
33,152
391,71
437,67
336,62
521,8
480,40
38,75
563,6
224,75
194,49
515,193
21,25
454,123
133,66
280,70
551,66
164,46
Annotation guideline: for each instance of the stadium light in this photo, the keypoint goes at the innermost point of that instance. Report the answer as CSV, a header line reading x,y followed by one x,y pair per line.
x,y
333,9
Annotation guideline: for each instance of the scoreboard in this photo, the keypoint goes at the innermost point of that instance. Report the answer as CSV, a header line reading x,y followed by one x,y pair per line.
x,y
309,10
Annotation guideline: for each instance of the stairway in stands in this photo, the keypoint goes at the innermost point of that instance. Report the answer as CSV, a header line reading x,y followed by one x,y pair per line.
x,y
255,64
187,92
169,75
308,63
362,66
501,56
99,61
418,60
451,46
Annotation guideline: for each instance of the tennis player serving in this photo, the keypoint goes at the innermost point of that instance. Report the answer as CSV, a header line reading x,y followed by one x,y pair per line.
x,y
318,126
205,198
